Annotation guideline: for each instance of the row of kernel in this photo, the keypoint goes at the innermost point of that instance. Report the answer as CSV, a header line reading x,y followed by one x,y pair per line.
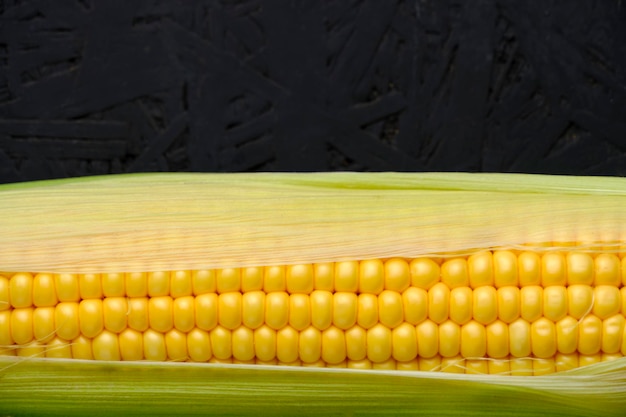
x,y
321,309
541,338
149,346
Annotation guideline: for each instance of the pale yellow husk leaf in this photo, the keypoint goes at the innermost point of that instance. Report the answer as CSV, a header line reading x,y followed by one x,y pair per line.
x,y
147,222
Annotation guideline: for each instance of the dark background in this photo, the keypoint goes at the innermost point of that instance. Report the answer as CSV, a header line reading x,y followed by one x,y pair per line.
x,y
107,86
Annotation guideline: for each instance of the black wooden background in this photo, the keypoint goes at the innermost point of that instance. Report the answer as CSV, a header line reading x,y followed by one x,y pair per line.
x,y
107,86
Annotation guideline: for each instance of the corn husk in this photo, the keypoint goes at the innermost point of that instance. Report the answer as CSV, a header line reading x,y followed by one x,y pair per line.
x,y
148,222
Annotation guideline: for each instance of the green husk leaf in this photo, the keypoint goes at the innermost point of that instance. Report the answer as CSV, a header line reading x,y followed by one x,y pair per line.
x,y
147,222
40,387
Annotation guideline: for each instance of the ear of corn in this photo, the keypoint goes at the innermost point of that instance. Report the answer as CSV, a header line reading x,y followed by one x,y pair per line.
x,y
477,273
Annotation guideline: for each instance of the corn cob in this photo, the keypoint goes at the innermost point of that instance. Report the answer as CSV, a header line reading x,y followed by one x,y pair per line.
x,y
490,312
425,291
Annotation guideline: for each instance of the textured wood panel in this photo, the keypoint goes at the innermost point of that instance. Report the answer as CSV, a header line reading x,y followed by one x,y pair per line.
x,y
106,86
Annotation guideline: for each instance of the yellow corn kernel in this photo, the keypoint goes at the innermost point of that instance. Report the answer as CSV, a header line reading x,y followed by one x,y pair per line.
x,y
253,309
229,310
81,348
265,343
300,311
6,338
300,279
356,343
274,279
91,318
221,343
531,302
623,300
131,345
612,331
379,343
543,366
408,365
66,319
342,364
553,269
521,366
136,284
158,284
5,302
347,276
449,339
505,270
203,281
389,364
58,348
321,309
310,345
480,269
589,335
485,305
404,342
31,350
555,302
427,339
22,325
529,268
199,345
429,364
276,310
228,280
606,301
324,276
565,362
184,317
567,335
508,304
397,275
21,290
360,364
497,339
390,308
115,313
181,284
461,305
154,346
519,342
585,360
476,367
113,285
414,303
579,300
371,276
607,270
345,307
44,328
499,366
44,291
106,347
90,286
138,313
580,269
438,302
333,345
67,287
453,365
367,310
160,313
206,306
243,343
454,273
424,273
543,338
287,345
473,340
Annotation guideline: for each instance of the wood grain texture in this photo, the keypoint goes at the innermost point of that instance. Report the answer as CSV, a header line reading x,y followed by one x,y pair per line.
x,y
106,86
